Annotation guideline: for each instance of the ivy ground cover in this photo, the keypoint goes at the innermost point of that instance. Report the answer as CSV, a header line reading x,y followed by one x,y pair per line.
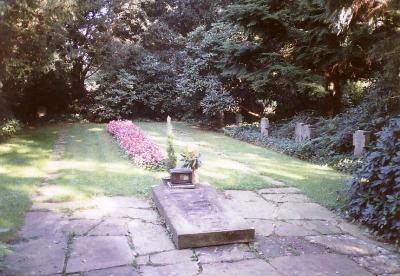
x,y
135,143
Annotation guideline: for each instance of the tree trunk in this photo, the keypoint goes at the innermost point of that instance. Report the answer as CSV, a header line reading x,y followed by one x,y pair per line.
x,y
77,80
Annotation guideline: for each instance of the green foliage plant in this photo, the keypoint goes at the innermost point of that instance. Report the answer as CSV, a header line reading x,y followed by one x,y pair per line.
x,y
9,128
171,162
374,195
191,158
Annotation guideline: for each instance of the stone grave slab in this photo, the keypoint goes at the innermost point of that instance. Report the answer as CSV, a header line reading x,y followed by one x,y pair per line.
x,y
198,217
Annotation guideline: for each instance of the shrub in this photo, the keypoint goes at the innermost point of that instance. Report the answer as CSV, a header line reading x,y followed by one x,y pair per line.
x,y
134,142
374,195
171,160
9,128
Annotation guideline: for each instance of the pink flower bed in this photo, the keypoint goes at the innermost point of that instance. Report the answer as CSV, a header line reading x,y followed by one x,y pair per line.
x,y
135,143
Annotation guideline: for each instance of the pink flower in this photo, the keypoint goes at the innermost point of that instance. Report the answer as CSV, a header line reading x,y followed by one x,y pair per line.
x,y
135,143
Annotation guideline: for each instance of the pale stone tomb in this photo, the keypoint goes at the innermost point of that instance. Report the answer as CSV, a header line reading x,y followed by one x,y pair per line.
x,y
198,217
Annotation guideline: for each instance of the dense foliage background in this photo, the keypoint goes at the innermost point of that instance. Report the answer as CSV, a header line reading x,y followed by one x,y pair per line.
x,y
333,64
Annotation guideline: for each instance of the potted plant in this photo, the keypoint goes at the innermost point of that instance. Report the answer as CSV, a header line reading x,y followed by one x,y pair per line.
x,y
191,159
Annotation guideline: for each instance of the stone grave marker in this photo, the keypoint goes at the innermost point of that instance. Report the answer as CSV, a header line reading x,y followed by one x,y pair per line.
x,y
239,118
360,141
298,132
199,217
303,132
307,132
264,125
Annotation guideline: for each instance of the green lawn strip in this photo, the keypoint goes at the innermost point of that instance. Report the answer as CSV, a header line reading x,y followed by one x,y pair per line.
x,y
230,163
22,160
94,165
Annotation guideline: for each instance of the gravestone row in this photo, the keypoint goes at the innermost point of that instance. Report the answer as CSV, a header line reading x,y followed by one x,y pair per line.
x,y
304,132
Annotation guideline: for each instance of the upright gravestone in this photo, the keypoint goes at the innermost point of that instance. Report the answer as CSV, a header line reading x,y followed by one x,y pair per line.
x,y
307,132
239,118
264,125
360,141
298,132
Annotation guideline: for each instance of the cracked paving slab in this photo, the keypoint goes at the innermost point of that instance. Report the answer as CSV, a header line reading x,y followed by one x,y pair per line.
x,y
36,257
253,267
98,252
326,265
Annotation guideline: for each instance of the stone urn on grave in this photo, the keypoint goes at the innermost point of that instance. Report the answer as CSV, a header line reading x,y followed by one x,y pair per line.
x,y
180,178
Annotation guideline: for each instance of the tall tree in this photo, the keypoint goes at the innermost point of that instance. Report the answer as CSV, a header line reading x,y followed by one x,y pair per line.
x,y
300,49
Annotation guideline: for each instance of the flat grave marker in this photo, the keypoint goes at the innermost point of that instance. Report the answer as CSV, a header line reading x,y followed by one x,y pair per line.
x,y
199,217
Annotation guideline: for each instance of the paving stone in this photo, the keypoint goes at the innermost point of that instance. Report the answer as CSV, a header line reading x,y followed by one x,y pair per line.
x,y
289,229
78,227
281,198
254,267
143,260
123,202
284,190
172,257
263,227
149,238
224,253
309,211
70,205
148,215
42,224
93,213
381,264
36,257
326,265
318,226
250,205
182,269
348,245
115,271
355,230
273,246
111,227
91,253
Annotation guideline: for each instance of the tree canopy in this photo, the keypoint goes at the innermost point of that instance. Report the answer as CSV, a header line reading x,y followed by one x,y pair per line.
x,y
146,58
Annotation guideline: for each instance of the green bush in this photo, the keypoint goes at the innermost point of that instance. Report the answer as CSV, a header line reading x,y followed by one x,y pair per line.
x,y
374,194
9,128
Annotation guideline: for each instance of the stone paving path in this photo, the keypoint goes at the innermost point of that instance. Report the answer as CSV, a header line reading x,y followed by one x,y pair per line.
x,y
125,236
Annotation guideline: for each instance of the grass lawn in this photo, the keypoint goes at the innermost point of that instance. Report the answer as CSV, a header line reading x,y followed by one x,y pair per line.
x,y
22,162
233,164
93,165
